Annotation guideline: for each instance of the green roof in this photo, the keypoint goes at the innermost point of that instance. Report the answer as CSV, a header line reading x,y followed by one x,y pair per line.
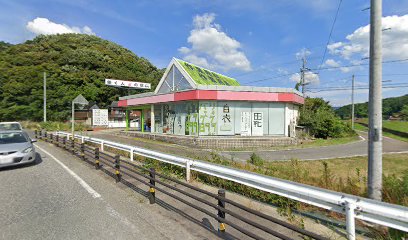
x,y
202,76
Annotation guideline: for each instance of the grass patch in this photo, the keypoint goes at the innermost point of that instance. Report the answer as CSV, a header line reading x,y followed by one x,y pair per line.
x,y
360,127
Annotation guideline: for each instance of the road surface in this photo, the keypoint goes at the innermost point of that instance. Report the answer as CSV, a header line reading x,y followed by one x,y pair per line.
x,y
64,198
358,148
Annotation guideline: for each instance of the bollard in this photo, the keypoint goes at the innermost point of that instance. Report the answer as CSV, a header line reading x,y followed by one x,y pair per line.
x,y
83,151
117,166
221,214
97,166
152,191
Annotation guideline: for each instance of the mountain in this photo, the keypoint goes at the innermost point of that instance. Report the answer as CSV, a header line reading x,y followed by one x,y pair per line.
x,y
75,64
391,106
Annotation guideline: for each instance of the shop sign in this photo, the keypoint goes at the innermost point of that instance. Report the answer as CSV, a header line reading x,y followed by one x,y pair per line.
x,y
257,124
127,84
100,117
245,123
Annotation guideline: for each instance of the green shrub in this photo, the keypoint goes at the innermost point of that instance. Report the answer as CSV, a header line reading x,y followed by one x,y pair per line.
x,y
320,118
256,160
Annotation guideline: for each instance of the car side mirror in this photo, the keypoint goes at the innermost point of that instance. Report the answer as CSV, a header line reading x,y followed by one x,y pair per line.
x,y
33,140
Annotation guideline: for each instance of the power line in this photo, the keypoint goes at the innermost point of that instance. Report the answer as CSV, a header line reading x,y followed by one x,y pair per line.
x,y
349,88
331,32
326,68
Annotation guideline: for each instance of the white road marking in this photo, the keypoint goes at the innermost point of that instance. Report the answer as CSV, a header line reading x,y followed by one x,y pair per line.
x,y
85,185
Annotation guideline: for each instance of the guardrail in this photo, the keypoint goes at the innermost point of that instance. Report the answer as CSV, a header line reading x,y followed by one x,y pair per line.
x,y
353,207
259,226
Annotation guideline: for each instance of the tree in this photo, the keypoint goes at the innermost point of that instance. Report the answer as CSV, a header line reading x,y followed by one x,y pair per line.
x,y
319,116
404,112
75,63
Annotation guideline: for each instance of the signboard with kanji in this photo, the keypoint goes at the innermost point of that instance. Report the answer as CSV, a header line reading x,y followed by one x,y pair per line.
x,y
245,123
100,117
127,84
257,124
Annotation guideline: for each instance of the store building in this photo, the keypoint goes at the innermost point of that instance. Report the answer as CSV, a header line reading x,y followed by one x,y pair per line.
x,y
193,101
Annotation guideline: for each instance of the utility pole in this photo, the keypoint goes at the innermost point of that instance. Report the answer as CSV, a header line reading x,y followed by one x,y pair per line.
x,y
302,75
45,97
375,103
352,102
302,78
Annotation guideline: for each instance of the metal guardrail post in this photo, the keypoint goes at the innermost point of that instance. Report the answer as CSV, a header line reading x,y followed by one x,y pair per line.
x,y
188,171
97,166
73,145
221,214
35,134
82,139
83,151
57,140
117,167
152,190
51,138
102,143
350,220
131,154
45,136
64,143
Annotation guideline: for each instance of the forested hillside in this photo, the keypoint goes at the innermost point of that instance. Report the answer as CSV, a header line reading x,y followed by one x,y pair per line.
x,y
75,63
395,106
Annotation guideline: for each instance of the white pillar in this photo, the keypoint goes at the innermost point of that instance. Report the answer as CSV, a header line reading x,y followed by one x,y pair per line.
x,y
131,154
188,171
350,221
152,122
102,143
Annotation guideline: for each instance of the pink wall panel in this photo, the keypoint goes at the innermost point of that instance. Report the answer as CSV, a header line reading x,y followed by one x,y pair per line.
x,y
183,96
151,99
122,103
248,96
215,95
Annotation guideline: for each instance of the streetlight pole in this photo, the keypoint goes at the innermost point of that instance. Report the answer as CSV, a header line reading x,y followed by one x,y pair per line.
x,y
73,120
82,102
45,97
375,103
352,102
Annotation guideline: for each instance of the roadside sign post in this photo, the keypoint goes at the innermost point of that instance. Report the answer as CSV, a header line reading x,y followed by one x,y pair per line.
x,y
81,101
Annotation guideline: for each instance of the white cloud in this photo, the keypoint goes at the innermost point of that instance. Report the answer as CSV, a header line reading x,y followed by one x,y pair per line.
x,y
212,47
332,63
303,53
310,77
46,27
337,64
395,40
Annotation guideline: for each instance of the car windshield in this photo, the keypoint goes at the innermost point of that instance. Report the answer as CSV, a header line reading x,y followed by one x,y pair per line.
x,y
12,137
9,126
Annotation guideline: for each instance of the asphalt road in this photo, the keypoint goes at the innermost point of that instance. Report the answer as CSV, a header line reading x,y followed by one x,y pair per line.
x,y
359,148
63,198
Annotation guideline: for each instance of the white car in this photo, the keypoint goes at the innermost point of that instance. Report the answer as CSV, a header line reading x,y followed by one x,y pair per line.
x,y
10,126
16,148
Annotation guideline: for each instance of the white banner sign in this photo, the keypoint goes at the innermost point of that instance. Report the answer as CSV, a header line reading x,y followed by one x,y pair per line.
x,y
245,124
127,84
257,124
100,117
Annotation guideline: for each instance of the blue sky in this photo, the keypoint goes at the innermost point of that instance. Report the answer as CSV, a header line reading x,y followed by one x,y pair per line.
x,y
258,42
